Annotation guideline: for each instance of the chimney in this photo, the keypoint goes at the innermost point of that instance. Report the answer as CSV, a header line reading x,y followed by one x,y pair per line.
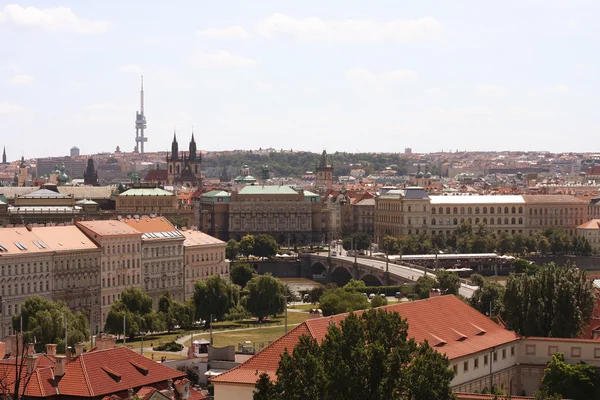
x,y
51,349
79,349
130,394
19,348
59,366
68,354
30,349
170,393
30,362
182,387
10,343
105,341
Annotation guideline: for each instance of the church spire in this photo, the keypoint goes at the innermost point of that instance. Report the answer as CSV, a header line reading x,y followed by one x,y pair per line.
x,y
174,147
192,156
4,155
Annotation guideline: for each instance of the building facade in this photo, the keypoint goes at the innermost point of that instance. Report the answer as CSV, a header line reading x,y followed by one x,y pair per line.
x,y
120,259
411,211
162,257
26,269
203,256
324,173
76,270
146,200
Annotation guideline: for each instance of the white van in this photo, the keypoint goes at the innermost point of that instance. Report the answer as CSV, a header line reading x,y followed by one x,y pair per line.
x,y
333,253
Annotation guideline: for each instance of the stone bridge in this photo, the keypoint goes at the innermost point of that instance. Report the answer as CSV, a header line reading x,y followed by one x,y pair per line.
x,y
340,271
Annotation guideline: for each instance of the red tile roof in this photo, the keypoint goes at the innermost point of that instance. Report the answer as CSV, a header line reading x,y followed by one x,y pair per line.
x,y
103,372
448,323
155,175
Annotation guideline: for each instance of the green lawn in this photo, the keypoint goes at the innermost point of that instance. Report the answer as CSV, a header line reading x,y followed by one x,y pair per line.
x,y
156,339
255,335
307,306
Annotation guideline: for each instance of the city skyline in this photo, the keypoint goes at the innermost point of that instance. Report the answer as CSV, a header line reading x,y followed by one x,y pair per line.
x,y
306,76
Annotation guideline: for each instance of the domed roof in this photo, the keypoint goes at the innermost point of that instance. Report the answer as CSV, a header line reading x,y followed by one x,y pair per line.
x,y
427,174
419,174
62,176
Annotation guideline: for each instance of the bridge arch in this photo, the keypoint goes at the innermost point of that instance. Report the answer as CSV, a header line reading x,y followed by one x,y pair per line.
x,y
318,268
371,280
341,276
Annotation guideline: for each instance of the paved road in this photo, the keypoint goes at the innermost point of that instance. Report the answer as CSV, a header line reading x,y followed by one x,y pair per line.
x,y
405,272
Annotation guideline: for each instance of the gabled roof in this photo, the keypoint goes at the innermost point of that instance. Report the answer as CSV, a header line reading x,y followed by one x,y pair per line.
x,y
266,190
103,372
45,193
449,324
64,238
108,228
147,192
197,238
157,175
592,224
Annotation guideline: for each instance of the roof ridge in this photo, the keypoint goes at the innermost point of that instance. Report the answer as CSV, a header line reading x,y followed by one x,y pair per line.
x,y
85,374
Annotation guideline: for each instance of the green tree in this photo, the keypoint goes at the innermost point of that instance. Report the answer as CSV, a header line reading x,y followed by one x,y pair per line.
x,y
337,301
423,286
553,301
247,245
136,307
543,245
174,312
232,249
214,296
577,382
488,298
44,320
266,296
477,280
264,246
241,273
355,284
447,282
505,243
358,241
365,357
378,301
391,245
520,265
315,293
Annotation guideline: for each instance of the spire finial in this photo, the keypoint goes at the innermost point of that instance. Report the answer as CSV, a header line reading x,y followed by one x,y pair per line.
x,y
174,134
142,83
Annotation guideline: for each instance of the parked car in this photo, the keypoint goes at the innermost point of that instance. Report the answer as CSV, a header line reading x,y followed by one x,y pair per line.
x,y
333,253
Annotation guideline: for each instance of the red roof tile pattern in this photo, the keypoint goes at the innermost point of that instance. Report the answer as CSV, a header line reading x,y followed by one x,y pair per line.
x,y
448,323
156,175
87,375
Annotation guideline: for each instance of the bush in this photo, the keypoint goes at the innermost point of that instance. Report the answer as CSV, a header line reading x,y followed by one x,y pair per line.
x,y
378,301
406,290
237,313
169,346
191,373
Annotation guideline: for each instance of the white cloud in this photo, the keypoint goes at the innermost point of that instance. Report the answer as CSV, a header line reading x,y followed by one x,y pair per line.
x,y
7,108
433,92
364,76
130,68
58,19
349,30
263,86
106,106
584,66
22,79
308,90
229,32
222,59
216,83
559,88
491,90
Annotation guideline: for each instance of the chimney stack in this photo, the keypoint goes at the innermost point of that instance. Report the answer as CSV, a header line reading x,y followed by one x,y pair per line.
x,y
51,349
30,349
105,341
10,343
182,387
68,354
79,349
59,366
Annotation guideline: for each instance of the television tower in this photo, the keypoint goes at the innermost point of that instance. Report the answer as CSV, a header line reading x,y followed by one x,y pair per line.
x,y
140,124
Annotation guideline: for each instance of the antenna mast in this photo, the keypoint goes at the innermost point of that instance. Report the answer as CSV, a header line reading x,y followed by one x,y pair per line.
x,y
140,123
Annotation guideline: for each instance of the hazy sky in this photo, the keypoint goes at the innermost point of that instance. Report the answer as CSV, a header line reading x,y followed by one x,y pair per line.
x,y
343,75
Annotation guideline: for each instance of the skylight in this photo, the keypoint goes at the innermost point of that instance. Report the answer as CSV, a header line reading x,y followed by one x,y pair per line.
x,y
20,246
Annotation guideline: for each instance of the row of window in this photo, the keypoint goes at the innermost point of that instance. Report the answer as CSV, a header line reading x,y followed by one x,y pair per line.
x,y
120,248
163,251
162,267
163,282
206,271
120,264
8,269
200,257
75,263
32,287
120,280
467,363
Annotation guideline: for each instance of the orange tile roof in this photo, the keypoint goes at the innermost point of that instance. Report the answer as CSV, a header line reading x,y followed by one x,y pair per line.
x,y
103,372
592,224
108,228
197,238
10,236
448,323
64,238
39,383
147,224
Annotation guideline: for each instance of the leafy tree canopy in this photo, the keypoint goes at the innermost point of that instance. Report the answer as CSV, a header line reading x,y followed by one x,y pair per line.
x,y
44,320
552,301
135,307
337,301
577,382
266,296
232,249
214,296
365,357
241,273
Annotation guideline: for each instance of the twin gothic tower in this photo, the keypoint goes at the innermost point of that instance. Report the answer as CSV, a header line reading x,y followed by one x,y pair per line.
x,y
184,168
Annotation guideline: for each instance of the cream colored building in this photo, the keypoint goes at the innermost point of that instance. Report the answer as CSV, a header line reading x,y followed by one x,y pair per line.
x,y
411,211
25,270
162,257
76,270
146,201
120,259
591,231
204,256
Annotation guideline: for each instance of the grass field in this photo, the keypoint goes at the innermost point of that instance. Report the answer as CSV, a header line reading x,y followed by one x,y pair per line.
x,y
255,335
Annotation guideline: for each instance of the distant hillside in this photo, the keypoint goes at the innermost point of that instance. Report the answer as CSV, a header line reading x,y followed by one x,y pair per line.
x,y
296,164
